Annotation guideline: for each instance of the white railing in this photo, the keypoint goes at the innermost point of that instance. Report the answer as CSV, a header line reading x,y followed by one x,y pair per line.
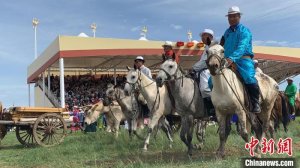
x,y
53,99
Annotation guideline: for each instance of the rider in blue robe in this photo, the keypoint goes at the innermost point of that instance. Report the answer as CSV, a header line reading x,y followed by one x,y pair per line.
x,y
238,49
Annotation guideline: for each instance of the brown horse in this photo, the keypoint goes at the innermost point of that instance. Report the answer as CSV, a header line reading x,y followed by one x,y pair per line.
x,y
297,106
280,111
3,129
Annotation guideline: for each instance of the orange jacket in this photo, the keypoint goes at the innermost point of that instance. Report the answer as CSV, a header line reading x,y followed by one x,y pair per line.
x,y
170,55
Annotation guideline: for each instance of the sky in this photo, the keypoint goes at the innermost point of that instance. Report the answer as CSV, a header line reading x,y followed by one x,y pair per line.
x,y
272,23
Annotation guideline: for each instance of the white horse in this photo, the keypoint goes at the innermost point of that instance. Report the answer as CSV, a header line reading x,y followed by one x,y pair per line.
x,y
228,98
158,100
114,116
188,100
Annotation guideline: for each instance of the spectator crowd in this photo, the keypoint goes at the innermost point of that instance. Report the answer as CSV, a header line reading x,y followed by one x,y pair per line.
x,y
81,90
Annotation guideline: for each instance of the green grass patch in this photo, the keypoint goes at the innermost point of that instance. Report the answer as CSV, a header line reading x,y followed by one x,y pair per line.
x,y
102,149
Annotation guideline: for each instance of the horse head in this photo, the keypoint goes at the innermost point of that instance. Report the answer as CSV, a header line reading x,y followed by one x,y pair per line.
x,y
168,71
110,92
92,114
215,59
132,76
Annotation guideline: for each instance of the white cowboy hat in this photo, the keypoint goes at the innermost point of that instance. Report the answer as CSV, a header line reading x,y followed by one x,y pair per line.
x,y
140,58
255,61
168,43
233,10
290,79
208,31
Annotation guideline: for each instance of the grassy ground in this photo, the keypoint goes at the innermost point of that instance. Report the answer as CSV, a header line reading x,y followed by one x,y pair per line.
x,y
101,149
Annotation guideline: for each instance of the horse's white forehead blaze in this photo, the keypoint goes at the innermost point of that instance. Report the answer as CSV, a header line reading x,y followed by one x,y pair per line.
x,y
216,49
130,74
168,63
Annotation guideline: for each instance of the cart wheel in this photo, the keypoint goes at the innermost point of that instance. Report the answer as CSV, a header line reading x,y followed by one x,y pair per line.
x,y
25,136
49,129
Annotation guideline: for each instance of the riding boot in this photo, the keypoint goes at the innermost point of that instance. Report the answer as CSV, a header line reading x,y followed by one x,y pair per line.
x,y
209,107
293,109
253,91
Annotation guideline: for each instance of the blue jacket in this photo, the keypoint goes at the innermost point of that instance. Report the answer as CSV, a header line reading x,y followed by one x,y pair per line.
x,y
238,42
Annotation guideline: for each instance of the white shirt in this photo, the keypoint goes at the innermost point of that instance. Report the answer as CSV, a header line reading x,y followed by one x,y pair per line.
x,y
204,75
201,64
146,71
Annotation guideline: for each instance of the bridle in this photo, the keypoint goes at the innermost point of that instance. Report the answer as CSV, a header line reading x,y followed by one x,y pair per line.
x,y
139,80
174,76
133,85
221,61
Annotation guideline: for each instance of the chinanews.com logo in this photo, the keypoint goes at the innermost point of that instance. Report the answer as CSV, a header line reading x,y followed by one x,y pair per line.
x,y
283,147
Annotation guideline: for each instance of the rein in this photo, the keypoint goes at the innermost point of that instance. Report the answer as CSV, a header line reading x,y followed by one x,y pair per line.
x,y
169,79
118,98
111,112
140,84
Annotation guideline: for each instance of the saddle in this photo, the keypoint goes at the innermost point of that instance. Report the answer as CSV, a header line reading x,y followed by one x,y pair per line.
x,y
247,99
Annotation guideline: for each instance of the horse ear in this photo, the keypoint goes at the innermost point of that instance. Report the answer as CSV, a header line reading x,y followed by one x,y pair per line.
x,y
88,106
208,41
128,68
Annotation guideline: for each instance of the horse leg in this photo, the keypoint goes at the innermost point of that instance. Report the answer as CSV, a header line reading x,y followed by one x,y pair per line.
x,y
190,132
155,131
116,128
129,128
184,130
165,126
222,135
152,124
244,129
134,128
108,128
200,132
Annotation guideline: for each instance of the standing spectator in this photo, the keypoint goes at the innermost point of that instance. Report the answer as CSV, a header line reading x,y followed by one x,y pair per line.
x,y
290,92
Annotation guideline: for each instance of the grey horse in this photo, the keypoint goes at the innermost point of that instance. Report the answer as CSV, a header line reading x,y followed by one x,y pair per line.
x,y
128,103
188,100
129,106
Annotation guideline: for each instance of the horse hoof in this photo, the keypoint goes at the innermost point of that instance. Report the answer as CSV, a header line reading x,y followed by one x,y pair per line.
x,y
220,155
190,153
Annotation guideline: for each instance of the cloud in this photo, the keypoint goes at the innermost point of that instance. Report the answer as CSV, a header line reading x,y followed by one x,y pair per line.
x,y
276,43
176,27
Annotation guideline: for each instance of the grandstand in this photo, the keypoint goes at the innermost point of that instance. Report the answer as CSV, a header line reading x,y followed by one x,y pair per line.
x,y
75,57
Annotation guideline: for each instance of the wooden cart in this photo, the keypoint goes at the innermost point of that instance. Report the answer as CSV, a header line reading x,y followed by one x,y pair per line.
x,y
36,125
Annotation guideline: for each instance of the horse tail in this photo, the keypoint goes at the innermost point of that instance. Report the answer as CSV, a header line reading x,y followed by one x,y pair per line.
x,y
285,115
